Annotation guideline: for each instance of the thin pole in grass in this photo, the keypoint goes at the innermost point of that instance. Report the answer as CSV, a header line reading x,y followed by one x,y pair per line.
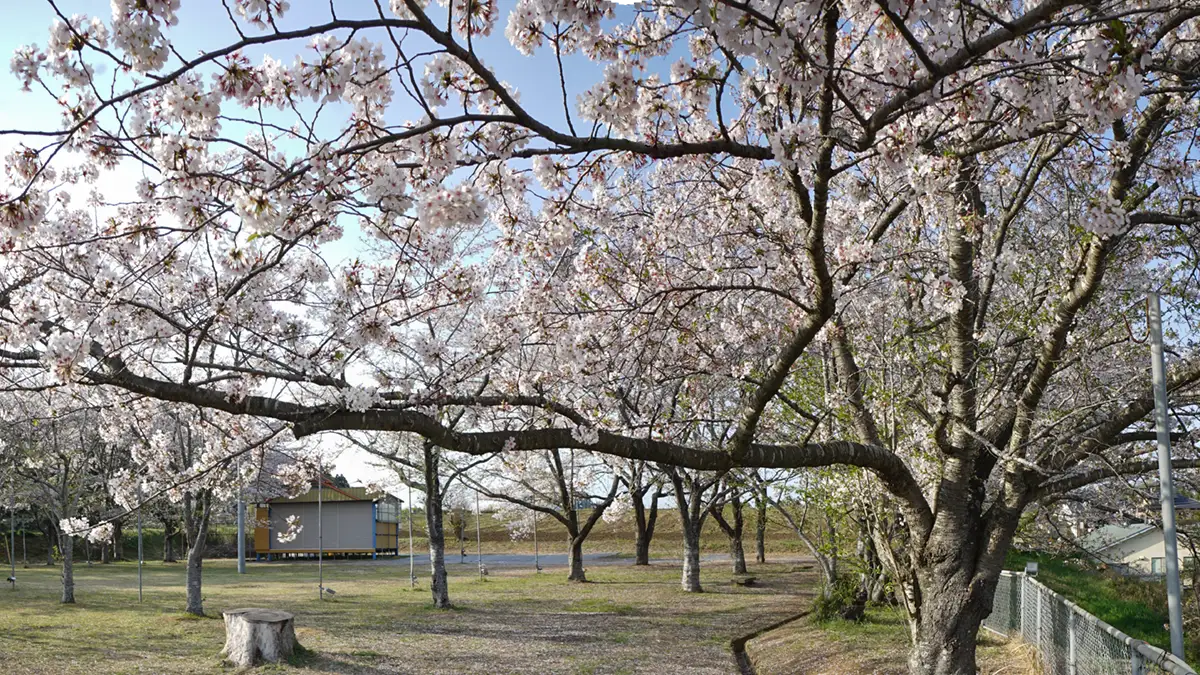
x,y
478,539
139,526
537,565
320,534
241,522
12,527
412,570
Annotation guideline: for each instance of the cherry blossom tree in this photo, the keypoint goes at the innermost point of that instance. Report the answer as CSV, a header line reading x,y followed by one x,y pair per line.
x,y
435,472
645,487
555,484
950,210
195,459
53,447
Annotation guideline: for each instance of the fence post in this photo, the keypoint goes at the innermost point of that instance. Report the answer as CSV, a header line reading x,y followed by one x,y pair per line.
x,y
1021,612
1072,626
1039,617
1137,664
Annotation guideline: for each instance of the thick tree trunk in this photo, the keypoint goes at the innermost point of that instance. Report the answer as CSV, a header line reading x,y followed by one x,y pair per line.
x,y
197,511
437,553
195,598
641,550
738,554
691,558
945,632
68,569
644,519
576,560
118,543
437,533
691,520
48,535
168,534
104,553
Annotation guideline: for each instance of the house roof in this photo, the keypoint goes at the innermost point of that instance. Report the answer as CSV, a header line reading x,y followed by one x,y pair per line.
x,y
1110,535
333,494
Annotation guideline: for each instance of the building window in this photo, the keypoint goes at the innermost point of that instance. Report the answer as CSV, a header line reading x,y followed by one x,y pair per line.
x,y
1158,565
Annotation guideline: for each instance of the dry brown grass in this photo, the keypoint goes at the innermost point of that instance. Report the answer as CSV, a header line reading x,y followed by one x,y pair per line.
x,y
879,645
628,620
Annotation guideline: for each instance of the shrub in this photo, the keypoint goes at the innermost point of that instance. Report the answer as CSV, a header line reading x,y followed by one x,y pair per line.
x,y
834,598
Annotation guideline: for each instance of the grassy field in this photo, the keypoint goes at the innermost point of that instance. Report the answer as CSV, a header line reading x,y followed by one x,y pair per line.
x,y
627,620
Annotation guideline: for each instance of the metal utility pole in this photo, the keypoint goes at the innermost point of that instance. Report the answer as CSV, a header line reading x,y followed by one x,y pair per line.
x,y
139,526
478,539
1166,488
412,569
320,535
12,527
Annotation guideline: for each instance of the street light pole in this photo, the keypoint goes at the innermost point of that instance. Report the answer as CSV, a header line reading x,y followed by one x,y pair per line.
x,y
1166,488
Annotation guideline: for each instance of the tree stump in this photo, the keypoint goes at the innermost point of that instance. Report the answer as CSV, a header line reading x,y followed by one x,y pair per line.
x,y
254,635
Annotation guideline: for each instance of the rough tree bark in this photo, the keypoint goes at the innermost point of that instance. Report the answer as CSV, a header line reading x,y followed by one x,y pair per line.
x,y
169,532
118,543
689,501
67,546
733,530
644,519
47,528
437,533
254,636
575,560
197,511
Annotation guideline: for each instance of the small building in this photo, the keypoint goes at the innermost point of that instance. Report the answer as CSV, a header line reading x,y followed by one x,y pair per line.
x,y
1133,549
352,521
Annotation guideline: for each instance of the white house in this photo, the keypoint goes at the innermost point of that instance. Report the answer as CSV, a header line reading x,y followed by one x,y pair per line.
x,y
1139,548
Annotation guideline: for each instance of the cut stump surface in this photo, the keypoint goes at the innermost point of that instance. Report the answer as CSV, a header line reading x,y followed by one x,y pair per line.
x,y
254,635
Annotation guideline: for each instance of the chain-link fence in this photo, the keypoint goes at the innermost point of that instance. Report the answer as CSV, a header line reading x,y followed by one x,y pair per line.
x,y
1069,640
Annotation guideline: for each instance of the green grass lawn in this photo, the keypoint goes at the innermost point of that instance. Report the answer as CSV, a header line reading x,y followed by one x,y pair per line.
x,y
626,620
